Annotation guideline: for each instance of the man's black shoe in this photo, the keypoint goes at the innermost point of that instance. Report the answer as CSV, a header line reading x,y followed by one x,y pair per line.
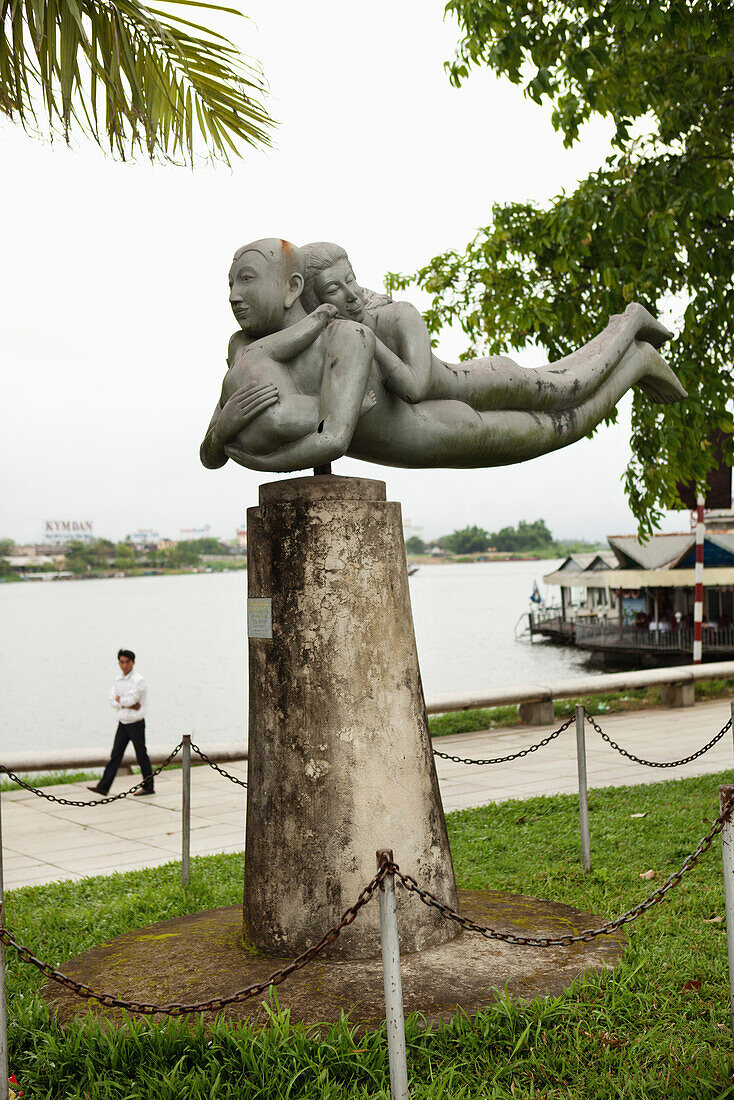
x,y
96,790
142,791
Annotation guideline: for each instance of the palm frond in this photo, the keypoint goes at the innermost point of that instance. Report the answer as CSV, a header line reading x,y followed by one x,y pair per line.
x,y
133,76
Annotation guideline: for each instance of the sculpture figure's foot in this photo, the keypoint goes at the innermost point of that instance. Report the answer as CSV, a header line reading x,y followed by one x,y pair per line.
x,y
647,327
658,382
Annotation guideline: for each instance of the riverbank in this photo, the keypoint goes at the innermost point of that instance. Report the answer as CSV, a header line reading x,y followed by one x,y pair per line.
x,y
230,565
470,559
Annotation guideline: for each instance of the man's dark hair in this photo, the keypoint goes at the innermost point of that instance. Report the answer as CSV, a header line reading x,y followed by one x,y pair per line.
x,y
125,653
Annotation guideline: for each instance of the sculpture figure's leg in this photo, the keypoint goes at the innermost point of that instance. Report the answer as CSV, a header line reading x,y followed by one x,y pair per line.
x,y
450,433
516,436
500,383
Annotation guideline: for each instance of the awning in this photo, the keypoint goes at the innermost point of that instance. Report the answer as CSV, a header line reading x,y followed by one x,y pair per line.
x,y
720,576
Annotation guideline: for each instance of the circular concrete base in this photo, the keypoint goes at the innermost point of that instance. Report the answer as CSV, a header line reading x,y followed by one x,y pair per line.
x,y
194,958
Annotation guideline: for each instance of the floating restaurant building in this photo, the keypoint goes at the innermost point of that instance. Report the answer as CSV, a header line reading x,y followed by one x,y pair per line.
x,y
633,604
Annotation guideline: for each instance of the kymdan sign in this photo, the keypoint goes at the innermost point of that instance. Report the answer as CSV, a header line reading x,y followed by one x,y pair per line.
x,y
65,530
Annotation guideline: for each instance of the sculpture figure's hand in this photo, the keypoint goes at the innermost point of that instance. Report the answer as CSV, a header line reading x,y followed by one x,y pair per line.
x,y
242,407
325,313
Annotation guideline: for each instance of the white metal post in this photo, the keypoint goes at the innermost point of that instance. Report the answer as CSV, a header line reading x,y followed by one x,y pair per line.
x,y
583,801
394,1018
4,1085
186,809
698,579
727,853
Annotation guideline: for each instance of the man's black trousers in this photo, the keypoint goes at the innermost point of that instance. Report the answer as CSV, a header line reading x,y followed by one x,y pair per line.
x,y
135,732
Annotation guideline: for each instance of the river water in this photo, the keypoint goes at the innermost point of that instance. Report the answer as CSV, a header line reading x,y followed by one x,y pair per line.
x,y
58,645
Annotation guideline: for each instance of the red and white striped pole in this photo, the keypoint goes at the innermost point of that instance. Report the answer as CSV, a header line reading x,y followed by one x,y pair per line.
x,y
698,596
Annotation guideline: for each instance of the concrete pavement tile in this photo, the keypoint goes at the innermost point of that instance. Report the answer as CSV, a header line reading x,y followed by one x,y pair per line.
x,y
137,865
41,845
233,814
40,878
125,863
18,795
202,837
138,830
13,862
228,849
468,802
94,865
107,849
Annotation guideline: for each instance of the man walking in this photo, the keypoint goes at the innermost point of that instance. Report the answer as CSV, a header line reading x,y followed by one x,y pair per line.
x,y
128,697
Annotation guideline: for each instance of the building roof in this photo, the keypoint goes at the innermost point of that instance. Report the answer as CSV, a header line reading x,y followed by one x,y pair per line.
x,y
664,561
673,551
718,550
582,563
660,552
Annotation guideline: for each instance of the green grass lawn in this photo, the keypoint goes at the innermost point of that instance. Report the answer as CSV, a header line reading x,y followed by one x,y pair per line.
x,y
658,1026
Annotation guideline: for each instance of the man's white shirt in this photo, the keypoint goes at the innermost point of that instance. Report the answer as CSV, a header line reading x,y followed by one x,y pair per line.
x,y
131,689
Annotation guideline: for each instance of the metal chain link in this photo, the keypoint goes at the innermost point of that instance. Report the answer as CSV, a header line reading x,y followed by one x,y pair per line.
x,y
205,758
512,756
655,763
589,933
215,1003
96,801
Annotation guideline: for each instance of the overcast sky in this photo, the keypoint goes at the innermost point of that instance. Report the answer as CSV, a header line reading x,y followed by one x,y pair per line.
x,y
114,318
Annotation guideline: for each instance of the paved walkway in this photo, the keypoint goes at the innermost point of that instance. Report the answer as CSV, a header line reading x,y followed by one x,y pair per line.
x,y
44,842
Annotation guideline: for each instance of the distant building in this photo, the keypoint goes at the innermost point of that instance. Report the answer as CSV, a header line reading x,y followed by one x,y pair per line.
x,y
165,544
412,530
637,602
194,532
144,538
35,553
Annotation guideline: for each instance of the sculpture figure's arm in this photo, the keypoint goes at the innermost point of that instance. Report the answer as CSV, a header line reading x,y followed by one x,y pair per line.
x,y
229,419
211,451
405,366
349,355
290,342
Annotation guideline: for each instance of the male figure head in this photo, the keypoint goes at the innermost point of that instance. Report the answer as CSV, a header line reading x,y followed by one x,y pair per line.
x,y
126,660
265,284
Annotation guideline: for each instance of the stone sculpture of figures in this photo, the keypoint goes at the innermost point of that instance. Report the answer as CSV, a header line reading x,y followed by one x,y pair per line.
x,y
321,369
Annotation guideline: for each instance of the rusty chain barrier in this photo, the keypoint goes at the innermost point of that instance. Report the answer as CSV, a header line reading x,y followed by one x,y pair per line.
x,y
387,867
514,755
436,752
123,794
206,760
655,763
605,737
95,801
588,934
214,1003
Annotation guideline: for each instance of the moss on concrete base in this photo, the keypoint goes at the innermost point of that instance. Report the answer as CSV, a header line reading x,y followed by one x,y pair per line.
x,y
194,958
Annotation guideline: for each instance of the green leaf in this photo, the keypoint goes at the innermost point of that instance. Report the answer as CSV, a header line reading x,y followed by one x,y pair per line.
x,y
168,84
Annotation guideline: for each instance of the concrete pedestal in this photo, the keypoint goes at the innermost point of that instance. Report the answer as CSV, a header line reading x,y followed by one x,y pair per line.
x,y
340,761
678,695
539,713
